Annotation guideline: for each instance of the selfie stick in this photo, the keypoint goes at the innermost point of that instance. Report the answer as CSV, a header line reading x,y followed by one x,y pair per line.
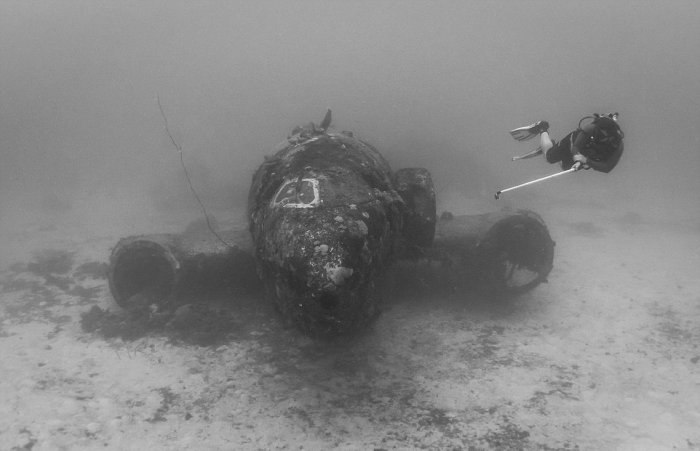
x,y
498,194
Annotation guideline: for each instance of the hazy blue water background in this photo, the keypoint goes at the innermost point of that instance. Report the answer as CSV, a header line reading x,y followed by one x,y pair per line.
x,y
434,84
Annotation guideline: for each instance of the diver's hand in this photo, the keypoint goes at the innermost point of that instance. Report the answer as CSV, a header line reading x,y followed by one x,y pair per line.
x,y
577,166
580,162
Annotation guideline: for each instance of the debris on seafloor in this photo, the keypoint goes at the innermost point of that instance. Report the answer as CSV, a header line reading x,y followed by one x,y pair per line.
x,y
195,324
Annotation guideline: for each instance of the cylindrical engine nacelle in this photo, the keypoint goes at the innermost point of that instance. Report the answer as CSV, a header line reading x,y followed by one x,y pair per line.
x,y
500,253
160,269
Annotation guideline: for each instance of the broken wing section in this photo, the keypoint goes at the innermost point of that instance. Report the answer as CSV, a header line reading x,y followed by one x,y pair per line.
x,y
500,253
158,270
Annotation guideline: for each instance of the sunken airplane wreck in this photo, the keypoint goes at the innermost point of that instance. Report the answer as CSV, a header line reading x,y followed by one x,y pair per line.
x,y
327,217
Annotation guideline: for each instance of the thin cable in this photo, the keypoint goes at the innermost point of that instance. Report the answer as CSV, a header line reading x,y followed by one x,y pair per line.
x,y
187,176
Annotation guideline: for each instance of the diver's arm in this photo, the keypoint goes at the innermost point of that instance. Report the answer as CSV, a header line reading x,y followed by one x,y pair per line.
x,y
578,143
607,165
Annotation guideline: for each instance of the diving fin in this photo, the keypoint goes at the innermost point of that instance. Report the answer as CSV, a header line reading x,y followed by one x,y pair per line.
x,y
532,154
525,133
529,131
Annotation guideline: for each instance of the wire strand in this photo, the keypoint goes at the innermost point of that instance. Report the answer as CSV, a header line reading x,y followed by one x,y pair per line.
x,y
178,147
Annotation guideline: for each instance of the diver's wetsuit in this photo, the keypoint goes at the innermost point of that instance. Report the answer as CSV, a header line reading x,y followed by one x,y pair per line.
x,y
601,157
561,151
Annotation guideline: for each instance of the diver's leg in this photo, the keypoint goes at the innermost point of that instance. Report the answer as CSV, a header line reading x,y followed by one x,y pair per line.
x,y
560,151
545,142
530,154
554,152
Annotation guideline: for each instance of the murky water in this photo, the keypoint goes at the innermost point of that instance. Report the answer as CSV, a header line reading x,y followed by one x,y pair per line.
x,y
601,357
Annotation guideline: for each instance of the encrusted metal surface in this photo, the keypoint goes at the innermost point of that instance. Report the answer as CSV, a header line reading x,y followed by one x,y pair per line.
x,y
325,221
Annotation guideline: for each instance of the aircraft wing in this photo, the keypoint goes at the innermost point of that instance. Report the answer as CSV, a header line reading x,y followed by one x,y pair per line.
x,y
160,268
503,253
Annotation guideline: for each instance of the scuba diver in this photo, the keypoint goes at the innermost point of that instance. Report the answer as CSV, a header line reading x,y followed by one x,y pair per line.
x,y
598,145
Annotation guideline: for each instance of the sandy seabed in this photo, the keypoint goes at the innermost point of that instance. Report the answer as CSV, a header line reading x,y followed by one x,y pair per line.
x,y
604,356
